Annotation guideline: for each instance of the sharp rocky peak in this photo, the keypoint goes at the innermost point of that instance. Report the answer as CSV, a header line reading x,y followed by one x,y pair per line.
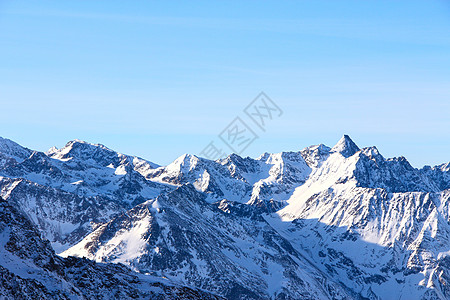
x,y
210,223
345,146
235,158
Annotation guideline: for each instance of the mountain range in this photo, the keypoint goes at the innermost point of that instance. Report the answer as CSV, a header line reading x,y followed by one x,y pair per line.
x,y
338,222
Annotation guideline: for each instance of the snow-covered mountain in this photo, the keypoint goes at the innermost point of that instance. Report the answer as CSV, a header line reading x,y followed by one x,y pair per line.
x,y
338,222
88,170
67,191
30,269
181,236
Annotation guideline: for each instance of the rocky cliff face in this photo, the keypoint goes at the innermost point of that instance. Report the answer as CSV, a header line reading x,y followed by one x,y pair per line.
x,y
66,192
181,236
322,223
30,269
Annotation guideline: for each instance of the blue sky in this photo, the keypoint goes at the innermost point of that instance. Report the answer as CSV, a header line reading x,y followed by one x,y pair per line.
x,y
158,79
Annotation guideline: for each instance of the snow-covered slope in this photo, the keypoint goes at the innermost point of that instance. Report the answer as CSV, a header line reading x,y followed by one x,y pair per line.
x,y
67,191
378,225
12,150
339,222
273,177
265,182
206,175
88,170
439,174
64,218
30,269
184,238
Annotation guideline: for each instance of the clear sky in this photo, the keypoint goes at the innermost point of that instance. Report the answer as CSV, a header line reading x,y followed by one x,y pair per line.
x,y
158,79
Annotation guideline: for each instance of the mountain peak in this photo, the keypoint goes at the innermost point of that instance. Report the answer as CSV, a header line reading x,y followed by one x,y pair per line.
x,y
81,150
186,157
14,150
185,161
345,146
81,143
